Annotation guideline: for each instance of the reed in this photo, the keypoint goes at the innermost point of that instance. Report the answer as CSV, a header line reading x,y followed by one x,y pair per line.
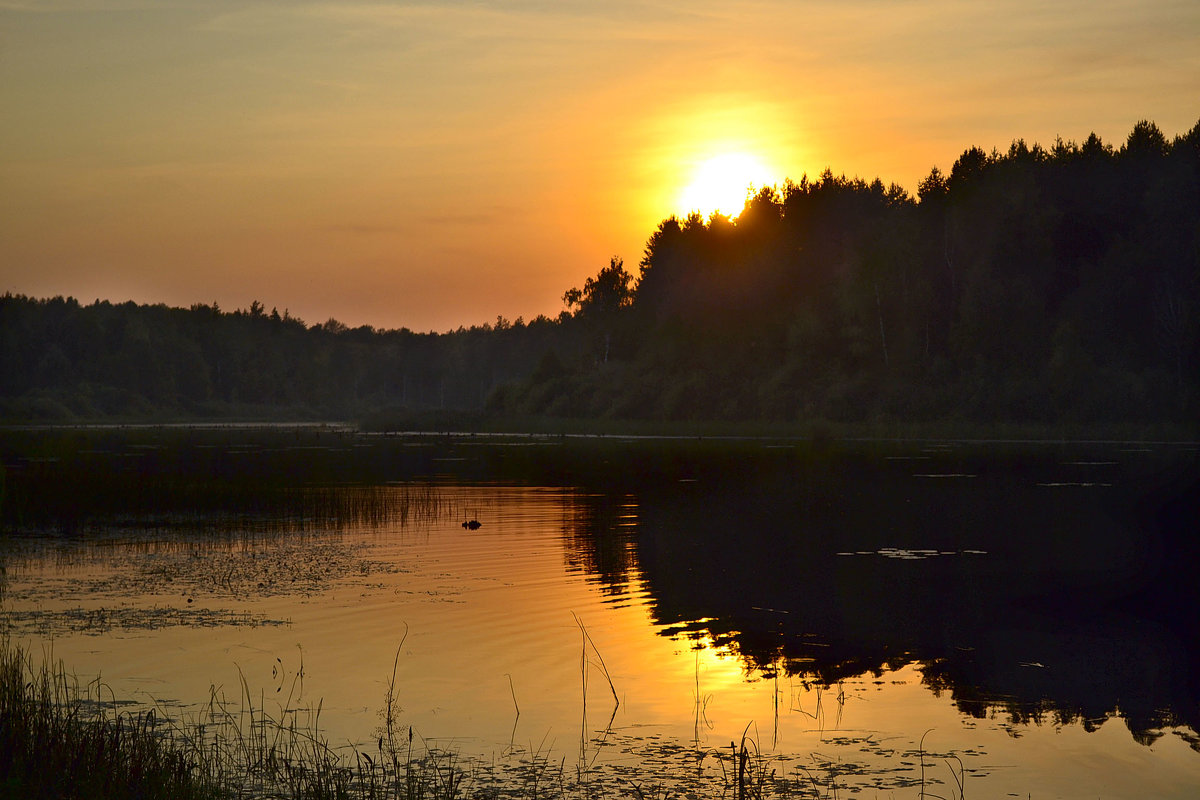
x,y
59,739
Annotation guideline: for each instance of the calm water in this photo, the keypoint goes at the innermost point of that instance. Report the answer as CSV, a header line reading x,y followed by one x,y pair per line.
x,y
1028,611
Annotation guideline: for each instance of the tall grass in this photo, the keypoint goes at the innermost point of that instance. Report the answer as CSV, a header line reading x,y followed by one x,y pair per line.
x,y
61,739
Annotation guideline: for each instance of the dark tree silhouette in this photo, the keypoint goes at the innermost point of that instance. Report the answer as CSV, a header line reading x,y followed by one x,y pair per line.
x,y
611,289
1056,285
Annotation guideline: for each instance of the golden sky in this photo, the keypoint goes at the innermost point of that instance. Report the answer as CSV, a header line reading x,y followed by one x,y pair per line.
x,y
430,165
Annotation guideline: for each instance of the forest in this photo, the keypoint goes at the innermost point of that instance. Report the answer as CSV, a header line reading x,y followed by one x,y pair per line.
x,y
1043,285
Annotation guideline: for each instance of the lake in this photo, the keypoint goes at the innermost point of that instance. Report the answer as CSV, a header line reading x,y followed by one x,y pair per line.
x,y
1015,617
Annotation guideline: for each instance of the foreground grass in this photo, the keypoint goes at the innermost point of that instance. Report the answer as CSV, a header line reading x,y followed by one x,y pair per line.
x,y
56,741
62,740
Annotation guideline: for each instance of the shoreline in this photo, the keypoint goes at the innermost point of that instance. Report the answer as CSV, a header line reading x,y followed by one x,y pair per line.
x,y
816,431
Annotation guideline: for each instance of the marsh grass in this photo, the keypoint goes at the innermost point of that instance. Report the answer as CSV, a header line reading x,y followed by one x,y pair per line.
x,y
58,739
61,739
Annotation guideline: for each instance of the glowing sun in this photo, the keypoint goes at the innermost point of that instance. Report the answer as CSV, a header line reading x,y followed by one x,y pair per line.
x,y
720,183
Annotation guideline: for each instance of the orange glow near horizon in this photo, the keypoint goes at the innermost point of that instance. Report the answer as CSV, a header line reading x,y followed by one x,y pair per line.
x,y
438,165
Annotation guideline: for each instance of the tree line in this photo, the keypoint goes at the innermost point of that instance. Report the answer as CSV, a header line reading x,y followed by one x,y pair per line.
x,y
1034,285
1039,285
61,360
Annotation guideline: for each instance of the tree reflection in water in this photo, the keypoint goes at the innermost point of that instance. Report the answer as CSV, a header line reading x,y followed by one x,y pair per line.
x,y
1037,581
1043,587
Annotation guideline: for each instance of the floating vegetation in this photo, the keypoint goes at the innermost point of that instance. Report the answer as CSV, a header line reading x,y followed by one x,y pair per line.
x,y
177,581
905,554
191,568
101,621
944,475
1074,483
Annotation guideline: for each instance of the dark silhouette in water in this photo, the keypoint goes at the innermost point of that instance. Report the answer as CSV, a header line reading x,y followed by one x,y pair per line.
x,y
973,562
1024,559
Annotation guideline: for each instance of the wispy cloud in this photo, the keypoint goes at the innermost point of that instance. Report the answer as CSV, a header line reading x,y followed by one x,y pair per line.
x,y
92,6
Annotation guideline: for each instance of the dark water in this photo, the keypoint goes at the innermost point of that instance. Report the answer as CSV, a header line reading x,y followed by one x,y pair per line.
x,y
1040,580
1036,586
1030,582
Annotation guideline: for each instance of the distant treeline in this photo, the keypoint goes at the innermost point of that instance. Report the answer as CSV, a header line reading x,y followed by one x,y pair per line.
x,y
60,360
1036,285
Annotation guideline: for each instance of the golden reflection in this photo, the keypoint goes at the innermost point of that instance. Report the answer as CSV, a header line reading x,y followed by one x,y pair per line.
x,y
716,668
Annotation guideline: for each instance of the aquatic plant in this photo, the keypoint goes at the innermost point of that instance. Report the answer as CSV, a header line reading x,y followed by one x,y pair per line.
x,y
61,739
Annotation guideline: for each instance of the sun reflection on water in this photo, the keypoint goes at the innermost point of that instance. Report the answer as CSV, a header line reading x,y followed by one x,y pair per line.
x,y
520,634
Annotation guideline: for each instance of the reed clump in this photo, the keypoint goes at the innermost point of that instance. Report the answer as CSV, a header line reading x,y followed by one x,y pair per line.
x,y
60,741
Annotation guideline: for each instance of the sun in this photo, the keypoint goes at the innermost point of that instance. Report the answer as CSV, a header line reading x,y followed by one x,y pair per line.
x,y
719,183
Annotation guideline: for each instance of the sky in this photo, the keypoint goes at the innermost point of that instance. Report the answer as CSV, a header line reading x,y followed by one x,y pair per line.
x,y
435,165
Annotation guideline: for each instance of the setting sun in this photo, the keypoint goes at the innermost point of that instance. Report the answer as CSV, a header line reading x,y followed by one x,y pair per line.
x,y
721,182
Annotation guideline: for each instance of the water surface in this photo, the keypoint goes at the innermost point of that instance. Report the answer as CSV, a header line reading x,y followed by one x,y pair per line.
x,y
1024,612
